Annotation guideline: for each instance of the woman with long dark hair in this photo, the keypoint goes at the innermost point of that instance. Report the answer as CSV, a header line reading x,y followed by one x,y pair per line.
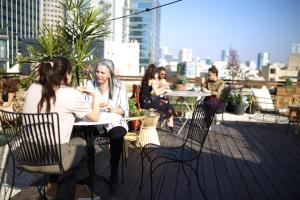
x,y
52,93
150,95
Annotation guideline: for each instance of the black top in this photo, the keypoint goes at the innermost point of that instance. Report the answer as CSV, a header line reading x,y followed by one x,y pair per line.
x,y
145,96
5,96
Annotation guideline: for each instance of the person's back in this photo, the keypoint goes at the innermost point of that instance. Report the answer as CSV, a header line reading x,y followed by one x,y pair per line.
x,y
145,96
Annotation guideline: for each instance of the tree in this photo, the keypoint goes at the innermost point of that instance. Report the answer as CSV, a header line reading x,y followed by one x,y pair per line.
x,y
233,64
82,25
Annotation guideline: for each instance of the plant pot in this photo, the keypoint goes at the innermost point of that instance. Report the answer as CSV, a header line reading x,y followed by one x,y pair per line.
x,y
180,87
238,109
134,125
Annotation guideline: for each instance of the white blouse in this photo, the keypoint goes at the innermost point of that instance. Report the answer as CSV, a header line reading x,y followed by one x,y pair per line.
x,y
119,100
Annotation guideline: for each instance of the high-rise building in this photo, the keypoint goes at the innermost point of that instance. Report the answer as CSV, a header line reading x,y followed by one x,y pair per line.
x,y
145,29
53,12
111,9
185,55
224,55
19,19
262,59
296,48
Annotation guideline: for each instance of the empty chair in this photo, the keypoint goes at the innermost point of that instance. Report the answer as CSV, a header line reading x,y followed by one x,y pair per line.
x,y
185,154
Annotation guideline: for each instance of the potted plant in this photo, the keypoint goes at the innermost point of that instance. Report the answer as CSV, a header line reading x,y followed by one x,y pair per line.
x,y
251,108
133,112
180,83
237,103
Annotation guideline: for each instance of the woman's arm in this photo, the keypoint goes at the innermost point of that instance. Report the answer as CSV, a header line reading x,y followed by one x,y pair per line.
x,y
121,101
155,88
219,90
94,115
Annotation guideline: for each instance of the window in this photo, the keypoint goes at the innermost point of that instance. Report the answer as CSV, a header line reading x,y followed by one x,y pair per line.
x,y
273,71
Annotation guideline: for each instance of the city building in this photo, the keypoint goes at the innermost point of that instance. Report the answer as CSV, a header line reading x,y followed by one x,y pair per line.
x,y
19,19
224,55
188,69
112,9
275,72
208,60
296,48
124,55
262,60
53,13
4,59
294,61
251,64
185,55
145,29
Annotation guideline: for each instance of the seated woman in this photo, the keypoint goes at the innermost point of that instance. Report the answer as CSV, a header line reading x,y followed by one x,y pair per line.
x,y
52,93
8,94
214,86
112,98
162,78
150,95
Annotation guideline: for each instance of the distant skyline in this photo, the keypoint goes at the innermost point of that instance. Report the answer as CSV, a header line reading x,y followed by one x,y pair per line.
x,y
249,26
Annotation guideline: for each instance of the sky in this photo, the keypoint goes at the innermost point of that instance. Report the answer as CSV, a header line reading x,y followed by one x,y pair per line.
x,y
249,26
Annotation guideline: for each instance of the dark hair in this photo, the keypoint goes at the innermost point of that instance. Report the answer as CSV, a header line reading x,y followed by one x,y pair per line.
x,y
213,69
51,74
112,81
149,73
10,85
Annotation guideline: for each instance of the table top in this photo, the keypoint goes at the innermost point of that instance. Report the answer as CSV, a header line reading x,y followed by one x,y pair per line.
x,y
187,94
105,118
295,106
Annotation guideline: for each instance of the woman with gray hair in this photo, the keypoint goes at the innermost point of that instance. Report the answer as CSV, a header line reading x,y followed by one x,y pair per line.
x,y
112,97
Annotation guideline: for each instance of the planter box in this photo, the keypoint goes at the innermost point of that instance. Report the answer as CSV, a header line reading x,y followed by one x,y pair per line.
x,y
236,109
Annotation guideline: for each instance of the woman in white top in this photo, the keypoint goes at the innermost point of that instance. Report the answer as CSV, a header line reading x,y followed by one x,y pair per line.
x,y
112,98
51,93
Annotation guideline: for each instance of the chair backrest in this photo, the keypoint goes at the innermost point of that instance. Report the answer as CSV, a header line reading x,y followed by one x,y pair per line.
x,y
33,139
223,100
201,121
263,99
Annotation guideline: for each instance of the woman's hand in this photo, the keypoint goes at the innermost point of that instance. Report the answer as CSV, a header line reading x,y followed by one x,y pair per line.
x,y
205,90
85,90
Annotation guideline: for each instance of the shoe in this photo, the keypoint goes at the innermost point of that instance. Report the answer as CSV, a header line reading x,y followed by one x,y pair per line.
x,y
114,176
170,129
51,190
84,193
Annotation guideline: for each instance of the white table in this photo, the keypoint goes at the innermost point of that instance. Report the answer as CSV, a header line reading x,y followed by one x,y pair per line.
x,y
105,118
185,94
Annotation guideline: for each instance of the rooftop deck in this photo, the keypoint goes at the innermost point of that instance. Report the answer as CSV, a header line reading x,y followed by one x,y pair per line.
x,y
240,160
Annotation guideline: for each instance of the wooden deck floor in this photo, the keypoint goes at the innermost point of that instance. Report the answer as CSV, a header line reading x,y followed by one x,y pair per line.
x,y
240,160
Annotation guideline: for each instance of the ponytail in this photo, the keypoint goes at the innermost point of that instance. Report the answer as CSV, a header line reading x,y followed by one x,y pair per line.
x,y
51,75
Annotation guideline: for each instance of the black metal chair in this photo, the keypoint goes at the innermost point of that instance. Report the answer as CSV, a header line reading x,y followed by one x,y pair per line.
x,y
223,101
34,142
188,152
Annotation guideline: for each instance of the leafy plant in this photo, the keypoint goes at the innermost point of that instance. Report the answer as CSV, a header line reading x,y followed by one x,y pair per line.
x,y
288,82
181,80
81,26
133,110
236,98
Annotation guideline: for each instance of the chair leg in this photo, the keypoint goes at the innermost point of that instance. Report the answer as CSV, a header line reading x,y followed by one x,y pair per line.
x,y
14,174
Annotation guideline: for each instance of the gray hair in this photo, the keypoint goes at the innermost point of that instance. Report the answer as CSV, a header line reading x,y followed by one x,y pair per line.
x,y
112,80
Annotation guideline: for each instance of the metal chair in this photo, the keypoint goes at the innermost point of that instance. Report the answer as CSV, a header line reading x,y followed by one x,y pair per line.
x,y
34,142
188,152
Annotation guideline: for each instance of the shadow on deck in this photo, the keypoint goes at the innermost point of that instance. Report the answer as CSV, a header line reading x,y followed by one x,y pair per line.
x,y
240,160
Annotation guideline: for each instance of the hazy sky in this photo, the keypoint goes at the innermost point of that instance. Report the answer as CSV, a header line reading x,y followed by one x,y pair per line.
x,y
249,26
